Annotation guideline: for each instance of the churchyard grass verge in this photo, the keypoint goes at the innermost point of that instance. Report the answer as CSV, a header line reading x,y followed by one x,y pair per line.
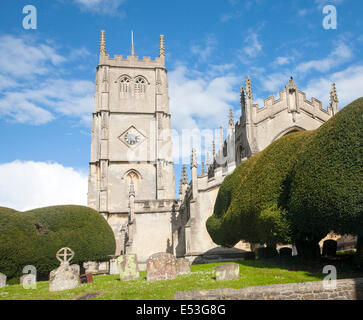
x,y
109,287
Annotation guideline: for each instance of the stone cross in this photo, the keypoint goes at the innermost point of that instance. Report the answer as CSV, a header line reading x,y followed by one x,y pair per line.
x,y
67,255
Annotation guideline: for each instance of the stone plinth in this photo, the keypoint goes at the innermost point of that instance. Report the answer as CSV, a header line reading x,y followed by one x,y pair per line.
x,y
227,272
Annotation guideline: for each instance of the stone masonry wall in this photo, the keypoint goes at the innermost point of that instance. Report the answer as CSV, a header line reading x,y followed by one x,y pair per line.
x,y
347,289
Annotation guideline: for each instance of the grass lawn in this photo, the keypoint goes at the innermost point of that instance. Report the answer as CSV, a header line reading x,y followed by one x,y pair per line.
x,y
109,287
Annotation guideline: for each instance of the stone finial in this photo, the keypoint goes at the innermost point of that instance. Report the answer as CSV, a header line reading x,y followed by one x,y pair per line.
x,y
184,178
334,99
231,121
249,94
193,163
132,43
333,94
242,95
291,84
162,46
103,43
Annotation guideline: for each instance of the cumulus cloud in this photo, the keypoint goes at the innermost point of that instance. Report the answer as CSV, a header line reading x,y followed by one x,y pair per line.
x,y
200,102
348,83
199,105
26,185
22,58
32,92
205,49
339,55
253,47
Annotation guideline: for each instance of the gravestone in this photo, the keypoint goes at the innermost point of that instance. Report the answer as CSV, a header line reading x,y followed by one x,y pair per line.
x,y
2,280
86,278
103,267
128,267
28,279
76,268
329,248
113,266
90,266
183,266
161,266
227,272
65,276
285,252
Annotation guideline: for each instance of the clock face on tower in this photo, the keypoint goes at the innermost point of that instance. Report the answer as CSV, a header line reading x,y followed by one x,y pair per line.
x,y
132,137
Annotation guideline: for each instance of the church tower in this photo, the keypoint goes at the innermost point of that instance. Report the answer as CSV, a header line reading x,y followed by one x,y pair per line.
x,y
131,145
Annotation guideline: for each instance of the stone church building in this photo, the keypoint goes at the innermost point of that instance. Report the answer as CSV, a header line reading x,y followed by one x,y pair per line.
x,y
131,177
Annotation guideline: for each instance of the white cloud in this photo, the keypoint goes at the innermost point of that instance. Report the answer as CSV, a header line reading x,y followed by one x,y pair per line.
x,y
26,185
252,47
274,82
339,55
205,49
349,83
22,58
280,61
103,7
32,92
200,102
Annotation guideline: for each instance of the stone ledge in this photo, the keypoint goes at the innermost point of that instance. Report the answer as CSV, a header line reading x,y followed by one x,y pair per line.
x,y
346,289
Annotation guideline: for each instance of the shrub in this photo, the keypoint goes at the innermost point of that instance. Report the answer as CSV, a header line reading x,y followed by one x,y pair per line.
x,y
326,181
34,237
251,202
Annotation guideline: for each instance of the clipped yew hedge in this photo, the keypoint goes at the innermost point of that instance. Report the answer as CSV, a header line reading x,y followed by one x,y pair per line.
x,y
326,192
34,237
297,190
251,202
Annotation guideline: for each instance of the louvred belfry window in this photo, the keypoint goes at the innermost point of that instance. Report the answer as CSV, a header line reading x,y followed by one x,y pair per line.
x,y
125,84
140,85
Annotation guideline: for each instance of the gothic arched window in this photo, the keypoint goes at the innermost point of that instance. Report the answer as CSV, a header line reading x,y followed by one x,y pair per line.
x,y
125,84
140,85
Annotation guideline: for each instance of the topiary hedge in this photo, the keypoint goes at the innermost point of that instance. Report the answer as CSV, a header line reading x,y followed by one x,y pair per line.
x,y
327,179
297,190
34,237
251,202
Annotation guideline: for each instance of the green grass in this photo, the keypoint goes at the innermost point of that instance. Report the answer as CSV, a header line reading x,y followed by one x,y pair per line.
x,y
252,273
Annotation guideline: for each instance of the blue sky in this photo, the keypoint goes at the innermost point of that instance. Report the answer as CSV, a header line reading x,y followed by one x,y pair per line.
x,y
47,75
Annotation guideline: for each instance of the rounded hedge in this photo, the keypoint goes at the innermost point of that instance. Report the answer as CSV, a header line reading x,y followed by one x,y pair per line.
x,y
327,179
34,237
251,202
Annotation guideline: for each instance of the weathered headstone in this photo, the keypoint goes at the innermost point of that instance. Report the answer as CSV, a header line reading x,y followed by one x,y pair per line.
x,y
128,267
2,280
28,279
76,268
329,248
183,266
103,267
113,266
86,278
91,266
65,276
227,272
161,266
